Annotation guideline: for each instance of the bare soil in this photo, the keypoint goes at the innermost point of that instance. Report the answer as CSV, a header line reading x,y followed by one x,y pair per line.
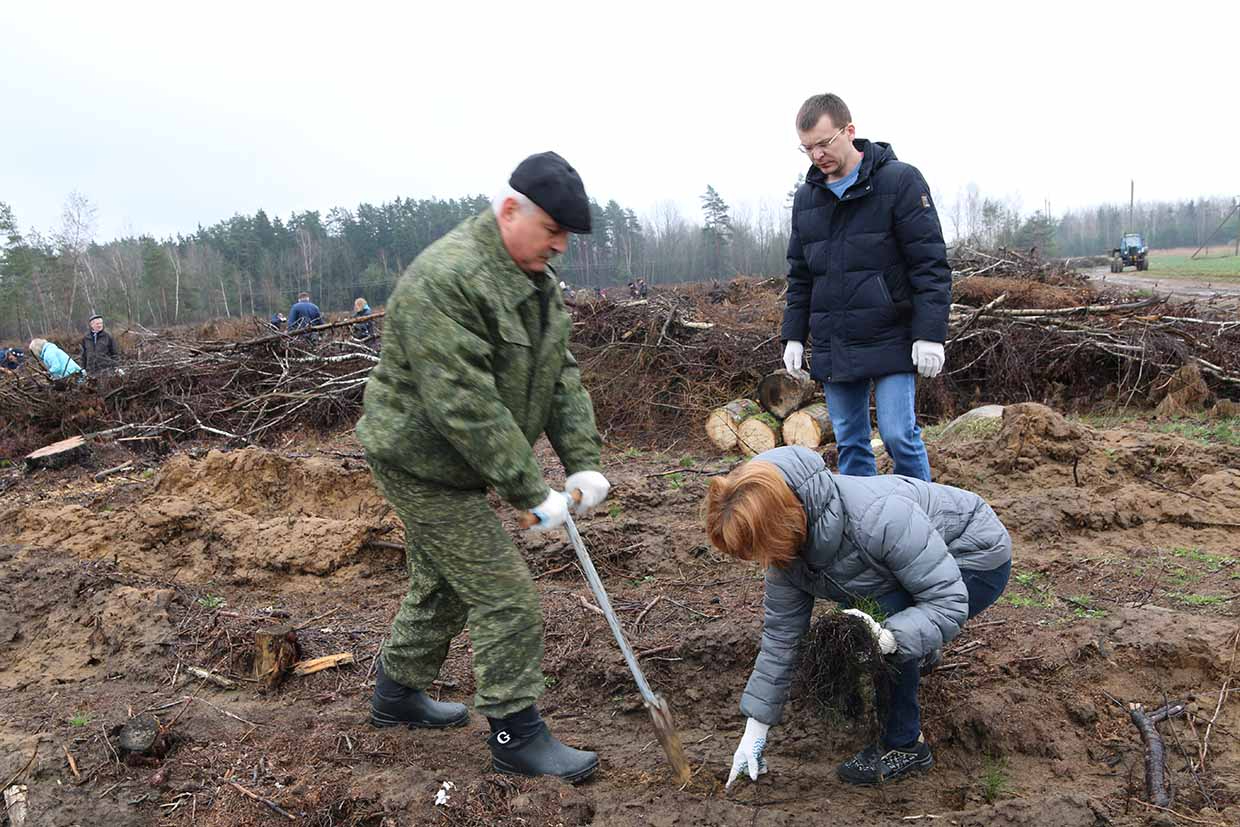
x,y
1126,588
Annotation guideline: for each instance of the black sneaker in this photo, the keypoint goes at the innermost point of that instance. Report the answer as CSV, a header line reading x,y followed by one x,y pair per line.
x,y
521,744
395,704
874,766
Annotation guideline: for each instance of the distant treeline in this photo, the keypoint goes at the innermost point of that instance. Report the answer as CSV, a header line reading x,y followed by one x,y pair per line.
x,y
255,265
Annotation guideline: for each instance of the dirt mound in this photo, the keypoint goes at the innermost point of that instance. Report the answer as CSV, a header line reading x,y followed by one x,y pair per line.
x,y
264,483
238,517
72,621
1045,475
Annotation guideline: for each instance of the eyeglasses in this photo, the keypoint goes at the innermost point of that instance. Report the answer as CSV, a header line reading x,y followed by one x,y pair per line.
x,y
822,146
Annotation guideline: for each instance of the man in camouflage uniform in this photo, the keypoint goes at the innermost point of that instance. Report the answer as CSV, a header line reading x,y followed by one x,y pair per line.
x,y
475,366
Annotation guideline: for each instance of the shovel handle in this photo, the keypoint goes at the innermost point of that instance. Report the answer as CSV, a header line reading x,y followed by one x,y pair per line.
x,y
528,520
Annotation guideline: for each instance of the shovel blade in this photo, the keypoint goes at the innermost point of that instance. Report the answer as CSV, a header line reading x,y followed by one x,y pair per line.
x,y
669,738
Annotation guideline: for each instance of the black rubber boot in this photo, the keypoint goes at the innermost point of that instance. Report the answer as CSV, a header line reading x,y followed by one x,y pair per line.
x,y
394,704
878,765
521,744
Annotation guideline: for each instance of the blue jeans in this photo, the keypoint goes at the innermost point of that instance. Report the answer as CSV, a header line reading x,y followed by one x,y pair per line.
x,y
848,404
903,723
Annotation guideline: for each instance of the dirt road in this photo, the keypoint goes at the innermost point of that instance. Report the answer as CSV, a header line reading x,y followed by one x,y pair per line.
x,y
1196,289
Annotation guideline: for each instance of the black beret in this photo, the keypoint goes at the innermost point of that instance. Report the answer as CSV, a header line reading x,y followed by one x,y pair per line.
x,y
552,183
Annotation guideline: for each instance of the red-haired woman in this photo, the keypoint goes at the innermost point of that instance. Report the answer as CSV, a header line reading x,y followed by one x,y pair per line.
x,y
930,555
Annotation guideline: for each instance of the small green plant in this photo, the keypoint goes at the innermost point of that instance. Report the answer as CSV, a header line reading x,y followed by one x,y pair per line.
x,y
79,720
675,481
550,681
631,453
870,606
148,473
1028,579
614,511
211,601
687,461
995,780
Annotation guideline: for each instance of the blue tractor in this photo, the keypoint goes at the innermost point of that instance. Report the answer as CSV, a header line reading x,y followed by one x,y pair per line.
x,y
1131,252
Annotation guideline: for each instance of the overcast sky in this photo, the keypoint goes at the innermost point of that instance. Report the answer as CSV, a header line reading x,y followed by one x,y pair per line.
x,y
168,115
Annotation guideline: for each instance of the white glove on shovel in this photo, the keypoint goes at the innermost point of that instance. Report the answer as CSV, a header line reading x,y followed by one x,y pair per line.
x,y
794,356
886,640
593,487
928,357
551,512
749,754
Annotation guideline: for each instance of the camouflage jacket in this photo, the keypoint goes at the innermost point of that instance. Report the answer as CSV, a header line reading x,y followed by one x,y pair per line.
x,y
470,375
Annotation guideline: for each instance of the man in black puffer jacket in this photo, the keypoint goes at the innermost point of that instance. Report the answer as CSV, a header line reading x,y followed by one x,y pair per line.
x,y
868,283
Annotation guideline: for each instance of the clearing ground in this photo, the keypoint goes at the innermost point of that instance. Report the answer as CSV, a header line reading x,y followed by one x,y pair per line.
x,y
1126,587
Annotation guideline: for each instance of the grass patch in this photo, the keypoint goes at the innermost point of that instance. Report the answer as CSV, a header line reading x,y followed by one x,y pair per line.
x,y
973,429
1199,600
1220,431
79,720
614,511
1224,269
1213,562
687,461
675,481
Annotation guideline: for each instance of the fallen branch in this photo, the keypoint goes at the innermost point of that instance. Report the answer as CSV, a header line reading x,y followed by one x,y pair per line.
x,y
269,804
211,677
1155,752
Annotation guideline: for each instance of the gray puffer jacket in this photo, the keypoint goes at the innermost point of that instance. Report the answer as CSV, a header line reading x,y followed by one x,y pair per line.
x,y
868,536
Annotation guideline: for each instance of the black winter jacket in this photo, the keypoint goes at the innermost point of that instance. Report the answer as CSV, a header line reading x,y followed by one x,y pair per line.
x,y
99,351
868,272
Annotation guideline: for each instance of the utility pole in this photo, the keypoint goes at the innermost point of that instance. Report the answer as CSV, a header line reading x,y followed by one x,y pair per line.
x,y
1132,195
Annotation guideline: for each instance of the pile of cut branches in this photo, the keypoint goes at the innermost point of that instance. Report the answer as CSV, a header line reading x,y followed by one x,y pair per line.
x,y
970,261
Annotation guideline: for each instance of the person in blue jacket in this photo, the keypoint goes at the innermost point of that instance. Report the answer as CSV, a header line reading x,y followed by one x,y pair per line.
x,y
58,363
869,287
304,313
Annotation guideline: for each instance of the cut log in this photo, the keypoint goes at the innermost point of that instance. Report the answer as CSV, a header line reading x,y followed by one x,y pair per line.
x,y
783,392
722,423
309,667
58,454
15,805
275,652
809,427
759,433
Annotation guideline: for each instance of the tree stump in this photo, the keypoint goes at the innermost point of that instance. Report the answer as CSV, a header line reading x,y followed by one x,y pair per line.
x,y
58,454
809,427
722,423
759,433
783,392
275,652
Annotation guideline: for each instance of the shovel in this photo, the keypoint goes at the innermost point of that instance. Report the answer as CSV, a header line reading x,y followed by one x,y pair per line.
x,y
660,712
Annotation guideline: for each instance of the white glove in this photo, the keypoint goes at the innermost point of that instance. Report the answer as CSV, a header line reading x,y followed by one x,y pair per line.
x,y
794,356
886,640
551,512
928,357
593,487
749,754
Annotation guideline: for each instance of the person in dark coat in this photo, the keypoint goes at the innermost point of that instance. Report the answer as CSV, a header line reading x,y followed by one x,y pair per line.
x,y
99,351
304,313
277,321
930,556
868,284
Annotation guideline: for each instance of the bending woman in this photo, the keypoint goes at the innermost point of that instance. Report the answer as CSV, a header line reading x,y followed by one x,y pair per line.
x,y
930,555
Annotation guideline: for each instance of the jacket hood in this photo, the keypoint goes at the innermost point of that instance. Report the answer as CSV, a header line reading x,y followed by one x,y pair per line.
x,y
876,153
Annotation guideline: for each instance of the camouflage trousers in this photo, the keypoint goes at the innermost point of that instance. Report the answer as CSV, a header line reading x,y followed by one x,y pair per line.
x,y
463,567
